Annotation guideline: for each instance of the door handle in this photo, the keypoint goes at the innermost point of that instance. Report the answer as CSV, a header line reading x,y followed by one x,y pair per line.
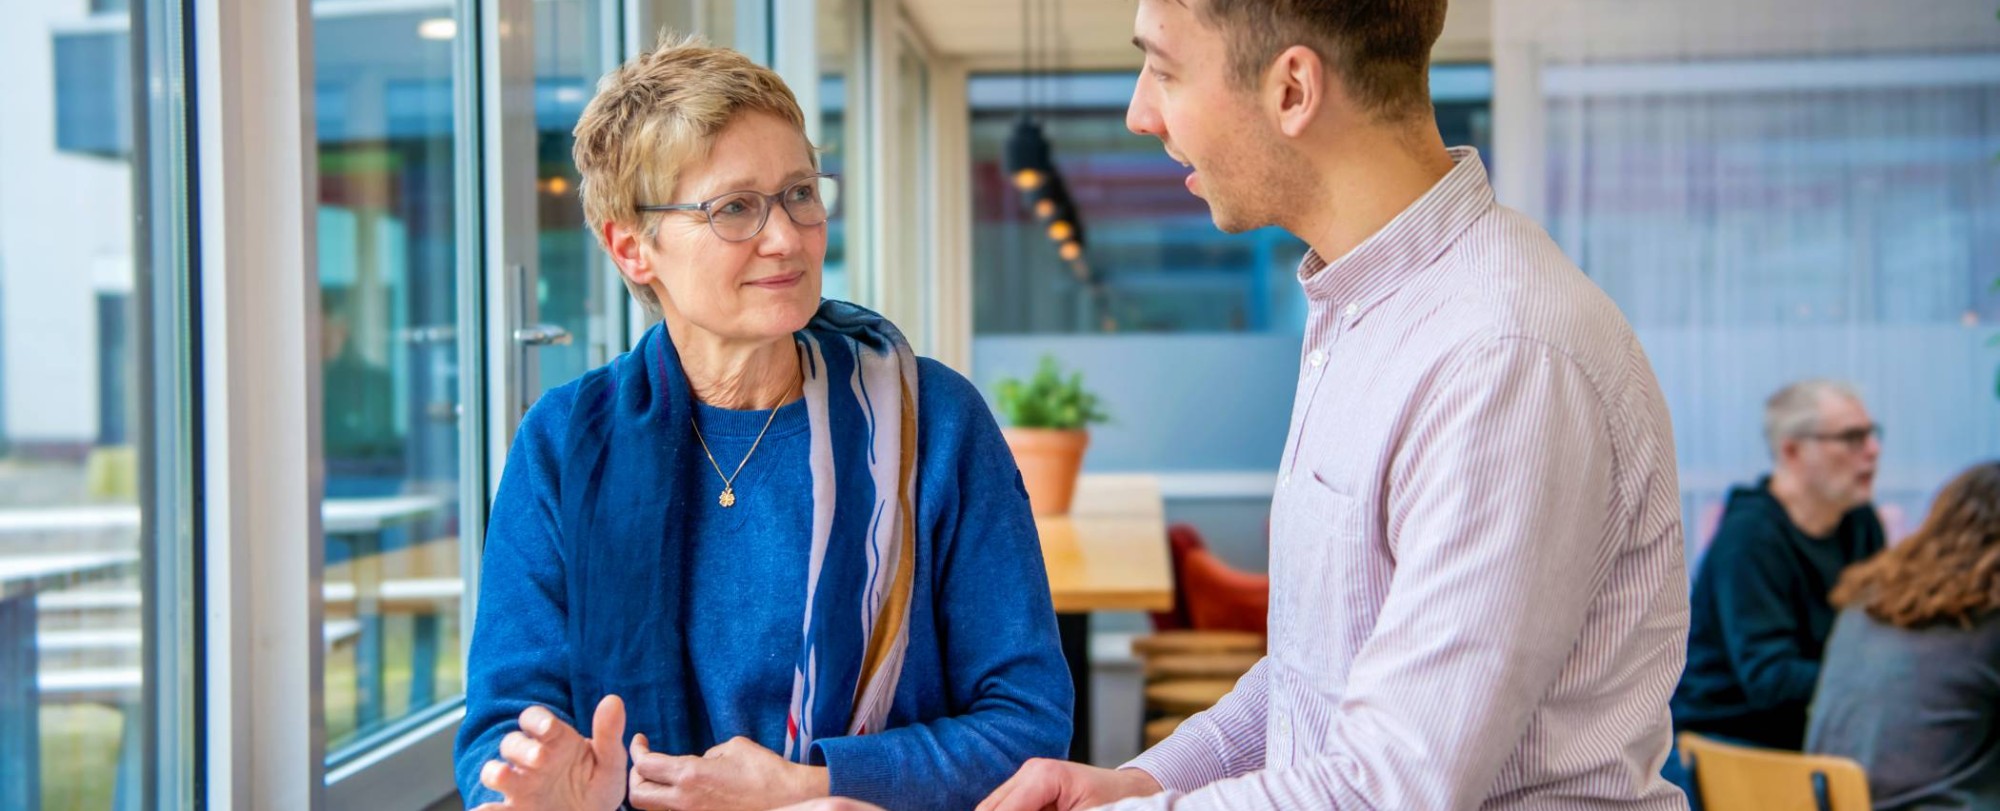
x,y
542,335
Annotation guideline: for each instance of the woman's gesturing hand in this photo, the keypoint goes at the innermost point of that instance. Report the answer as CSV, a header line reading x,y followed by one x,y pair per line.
x,y
547,766
736,775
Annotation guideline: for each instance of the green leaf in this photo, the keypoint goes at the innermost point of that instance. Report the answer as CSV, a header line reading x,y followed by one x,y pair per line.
x,y
1048,399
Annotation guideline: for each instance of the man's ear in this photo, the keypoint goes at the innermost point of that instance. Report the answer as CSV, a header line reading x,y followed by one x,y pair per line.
x,y
1789,449
1296,89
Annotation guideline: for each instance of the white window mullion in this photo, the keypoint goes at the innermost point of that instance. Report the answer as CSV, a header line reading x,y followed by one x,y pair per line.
x,y
949,186
260,405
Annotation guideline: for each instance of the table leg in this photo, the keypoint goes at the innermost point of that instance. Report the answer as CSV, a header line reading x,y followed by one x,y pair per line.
x,y
424,660
129,785
369,680
1075,631
20,706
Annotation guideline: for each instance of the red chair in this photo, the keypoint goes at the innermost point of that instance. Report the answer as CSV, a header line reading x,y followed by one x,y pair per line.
x,y
1210,595
1214,634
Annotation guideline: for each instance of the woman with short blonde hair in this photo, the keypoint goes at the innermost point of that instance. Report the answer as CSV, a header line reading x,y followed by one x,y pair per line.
x,y
770,554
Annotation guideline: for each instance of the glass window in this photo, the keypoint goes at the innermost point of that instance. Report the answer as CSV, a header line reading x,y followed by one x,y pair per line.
x,y
1808,217
579,289
1156,262
95,459
1156,265
392,351
838,134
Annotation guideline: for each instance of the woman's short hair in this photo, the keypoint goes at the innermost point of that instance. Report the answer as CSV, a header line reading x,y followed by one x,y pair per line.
x,y
655,116
1949,571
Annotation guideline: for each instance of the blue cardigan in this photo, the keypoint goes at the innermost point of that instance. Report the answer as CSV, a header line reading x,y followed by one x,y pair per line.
x,y
984,686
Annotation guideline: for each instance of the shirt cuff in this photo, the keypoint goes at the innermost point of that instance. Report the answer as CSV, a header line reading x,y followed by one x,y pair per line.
x,y
1152,802
1183,762
851,771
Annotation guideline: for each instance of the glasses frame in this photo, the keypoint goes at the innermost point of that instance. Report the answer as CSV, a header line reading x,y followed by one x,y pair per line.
x,y
1854,438
771,201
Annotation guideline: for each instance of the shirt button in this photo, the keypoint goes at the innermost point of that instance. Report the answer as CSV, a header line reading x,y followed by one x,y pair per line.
x,y
1317,358
1352,309
1285,481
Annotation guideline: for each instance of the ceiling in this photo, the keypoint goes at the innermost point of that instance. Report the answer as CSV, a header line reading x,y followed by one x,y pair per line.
x,y
1097,34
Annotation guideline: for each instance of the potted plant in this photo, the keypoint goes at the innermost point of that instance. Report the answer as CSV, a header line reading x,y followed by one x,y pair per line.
x,y
1048,418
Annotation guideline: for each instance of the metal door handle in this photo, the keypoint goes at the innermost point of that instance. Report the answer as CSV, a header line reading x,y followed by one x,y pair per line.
x,y
542,335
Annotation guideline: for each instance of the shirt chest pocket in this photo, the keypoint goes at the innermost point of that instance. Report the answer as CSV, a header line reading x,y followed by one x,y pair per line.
x,y
1319,554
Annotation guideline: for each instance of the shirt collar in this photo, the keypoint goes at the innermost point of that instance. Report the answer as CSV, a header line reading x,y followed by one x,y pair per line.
x,y
1410,243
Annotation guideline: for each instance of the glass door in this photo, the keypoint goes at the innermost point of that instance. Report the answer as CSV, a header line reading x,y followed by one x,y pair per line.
x,y
393,349
576,314
574,298
97,552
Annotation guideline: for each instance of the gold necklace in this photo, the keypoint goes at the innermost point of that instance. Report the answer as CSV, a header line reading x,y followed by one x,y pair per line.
x,y
728,497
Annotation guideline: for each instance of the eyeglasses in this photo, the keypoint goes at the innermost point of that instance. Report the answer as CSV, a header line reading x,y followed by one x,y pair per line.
x,y
1854,438
739,216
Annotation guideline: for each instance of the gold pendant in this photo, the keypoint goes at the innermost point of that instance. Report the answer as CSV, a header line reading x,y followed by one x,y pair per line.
x,y
727,499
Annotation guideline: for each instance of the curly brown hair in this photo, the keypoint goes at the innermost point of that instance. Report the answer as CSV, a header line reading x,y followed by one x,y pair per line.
x,y
1948,572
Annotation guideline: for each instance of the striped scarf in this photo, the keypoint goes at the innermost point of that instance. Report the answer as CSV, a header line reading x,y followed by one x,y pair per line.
x,y
860,387
628,439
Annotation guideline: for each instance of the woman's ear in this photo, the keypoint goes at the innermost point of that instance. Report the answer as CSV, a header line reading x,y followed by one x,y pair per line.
x,y
627,248
1295,89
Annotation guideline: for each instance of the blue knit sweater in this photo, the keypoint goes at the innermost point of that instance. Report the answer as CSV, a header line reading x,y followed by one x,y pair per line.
x,y
983,688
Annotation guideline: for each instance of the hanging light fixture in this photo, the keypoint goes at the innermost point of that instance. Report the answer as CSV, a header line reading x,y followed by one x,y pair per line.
x,y
1027,155
1031,167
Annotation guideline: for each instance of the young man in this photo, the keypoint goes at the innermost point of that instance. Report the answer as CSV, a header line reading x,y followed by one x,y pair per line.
x,y
1478,598
1761,612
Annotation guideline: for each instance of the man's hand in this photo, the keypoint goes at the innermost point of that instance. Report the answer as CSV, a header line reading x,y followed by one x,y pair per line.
x,y
736,775
547,766
832,804
1064,786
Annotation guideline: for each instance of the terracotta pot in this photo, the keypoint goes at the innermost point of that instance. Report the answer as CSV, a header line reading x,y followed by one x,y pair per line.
x,y
1049,461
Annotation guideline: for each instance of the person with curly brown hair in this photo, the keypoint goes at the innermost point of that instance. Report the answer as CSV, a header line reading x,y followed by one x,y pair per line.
x,y
1910,686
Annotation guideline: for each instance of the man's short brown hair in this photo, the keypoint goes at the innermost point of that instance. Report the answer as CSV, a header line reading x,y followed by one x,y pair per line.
x,y
1381,49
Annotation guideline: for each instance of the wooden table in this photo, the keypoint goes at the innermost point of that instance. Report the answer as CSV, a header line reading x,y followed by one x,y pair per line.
x,y
20,705
1108,554
338,516
359,524
422,581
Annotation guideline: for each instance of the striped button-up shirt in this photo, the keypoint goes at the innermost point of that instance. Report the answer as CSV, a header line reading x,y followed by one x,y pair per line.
x,y
1477,592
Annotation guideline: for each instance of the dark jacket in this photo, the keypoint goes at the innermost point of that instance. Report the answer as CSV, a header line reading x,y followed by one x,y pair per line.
x,y
1761,618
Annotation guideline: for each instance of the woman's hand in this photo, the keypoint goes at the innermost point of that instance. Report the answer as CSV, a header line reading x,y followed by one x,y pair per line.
x,y
547,766
736,775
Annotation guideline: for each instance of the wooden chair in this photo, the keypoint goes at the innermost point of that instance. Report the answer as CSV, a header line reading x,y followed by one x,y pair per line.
x,y
1213,635
1159,728
1728,777
1208,665
1192,642
1186,696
